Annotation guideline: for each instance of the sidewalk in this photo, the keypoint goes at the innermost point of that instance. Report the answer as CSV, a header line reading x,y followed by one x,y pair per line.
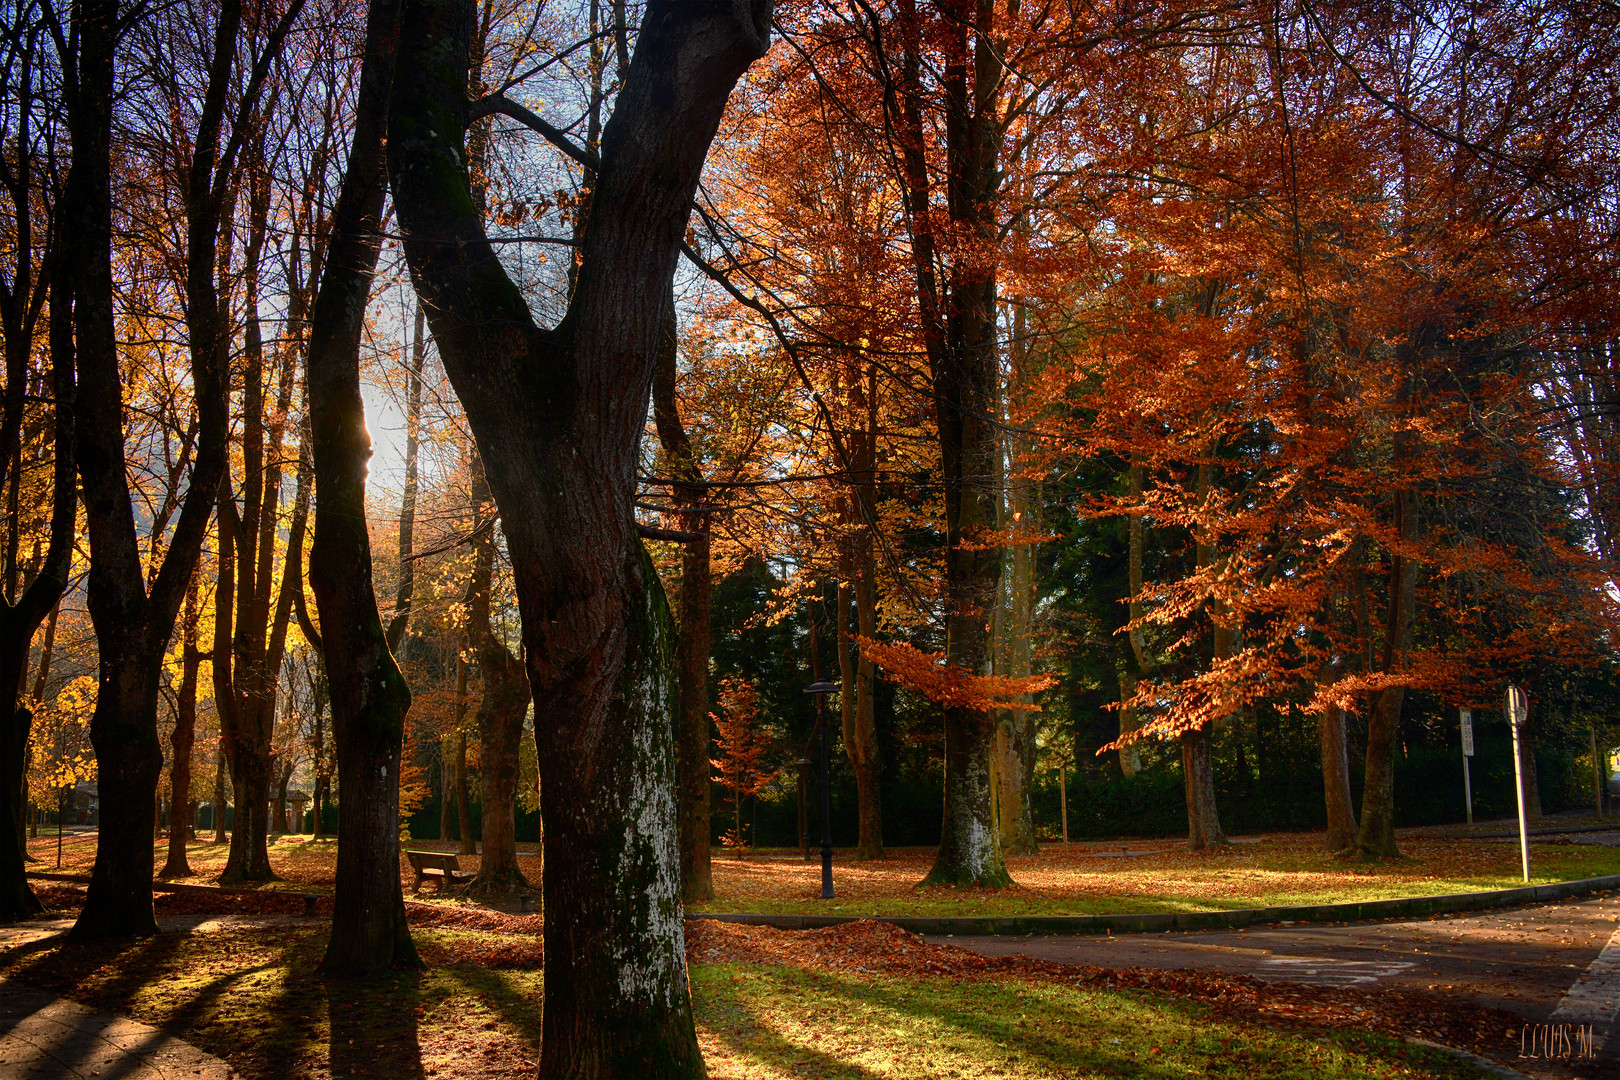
x,y
43,1037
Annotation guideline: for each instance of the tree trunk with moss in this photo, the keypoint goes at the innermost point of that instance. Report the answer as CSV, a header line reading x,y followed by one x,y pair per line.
x,y
558,415
369,696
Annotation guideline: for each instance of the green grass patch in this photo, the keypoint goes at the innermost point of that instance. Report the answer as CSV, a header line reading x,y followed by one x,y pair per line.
x,y
782,1022
1245,876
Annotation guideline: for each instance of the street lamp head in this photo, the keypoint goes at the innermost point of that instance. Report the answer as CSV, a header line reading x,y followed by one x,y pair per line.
x,y
823,688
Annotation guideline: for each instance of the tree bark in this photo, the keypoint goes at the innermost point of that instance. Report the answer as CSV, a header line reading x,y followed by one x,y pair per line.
x,y
1203,817
220,772
182,739
407,503
369,696
966,382
1376,838
39,600
558,416
1341,813
133,625
856,712
501,712
692,645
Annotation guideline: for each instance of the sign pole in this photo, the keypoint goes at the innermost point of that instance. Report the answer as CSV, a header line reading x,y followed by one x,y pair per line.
x,y
1468,752
1518,710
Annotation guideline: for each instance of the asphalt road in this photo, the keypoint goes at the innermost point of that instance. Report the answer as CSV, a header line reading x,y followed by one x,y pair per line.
x,y
1554,963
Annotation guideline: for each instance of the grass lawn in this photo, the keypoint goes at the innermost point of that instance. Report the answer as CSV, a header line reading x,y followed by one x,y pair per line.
x,y
1282,868
871,1002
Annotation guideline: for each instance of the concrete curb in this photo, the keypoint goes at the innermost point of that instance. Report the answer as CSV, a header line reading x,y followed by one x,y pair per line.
x,y
1161,921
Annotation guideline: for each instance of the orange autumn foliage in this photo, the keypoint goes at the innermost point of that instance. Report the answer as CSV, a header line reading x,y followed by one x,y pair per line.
x,y
927,674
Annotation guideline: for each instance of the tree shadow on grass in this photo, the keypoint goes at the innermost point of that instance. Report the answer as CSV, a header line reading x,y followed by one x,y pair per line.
x,y
754,1037
373,1026
994,1035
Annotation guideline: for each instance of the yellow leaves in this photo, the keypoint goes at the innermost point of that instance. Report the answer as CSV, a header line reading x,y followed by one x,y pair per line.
x,y
930,676
59,747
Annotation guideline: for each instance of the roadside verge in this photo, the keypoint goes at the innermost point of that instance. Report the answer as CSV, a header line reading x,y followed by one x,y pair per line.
x,y
1408,907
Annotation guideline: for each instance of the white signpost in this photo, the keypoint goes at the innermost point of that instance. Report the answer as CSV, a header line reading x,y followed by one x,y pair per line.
x,y
1468,752
1518,711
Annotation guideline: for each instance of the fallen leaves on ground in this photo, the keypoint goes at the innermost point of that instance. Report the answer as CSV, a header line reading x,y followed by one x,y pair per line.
x,y
868,947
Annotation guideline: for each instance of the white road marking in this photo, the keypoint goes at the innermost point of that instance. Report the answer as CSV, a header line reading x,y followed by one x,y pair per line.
x,y
1595,997
1324,971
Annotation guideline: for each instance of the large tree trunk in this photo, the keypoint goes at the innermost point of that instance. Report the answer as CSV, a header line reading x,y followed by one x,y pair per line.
x,y
966,381
1341,813
1376,838
246,759
21,615
1203,822
19,620
132,626
369,696
558,416
181,741
500,716
692,644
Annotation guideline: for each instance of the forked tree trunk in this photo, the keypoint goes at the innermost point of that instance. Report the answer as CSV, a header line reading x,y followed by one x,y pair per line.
x,y
132,625
500,717
251,674
182,740
558,416
369,696
1341,813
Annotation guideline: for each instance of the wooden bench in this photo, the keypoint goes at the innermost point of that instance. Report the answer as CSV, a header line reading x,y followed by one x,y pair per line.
x,y
437,864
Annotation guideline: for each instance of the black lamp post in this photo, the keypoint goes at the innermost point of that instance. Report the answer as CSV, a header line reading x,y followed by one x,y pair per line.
x,y
821,690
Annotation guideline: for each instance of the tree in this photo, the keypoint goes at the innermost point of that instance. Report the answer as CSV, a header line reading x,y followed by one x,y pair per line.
x,y
369,697
742,745
558,414
27,176
501,711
